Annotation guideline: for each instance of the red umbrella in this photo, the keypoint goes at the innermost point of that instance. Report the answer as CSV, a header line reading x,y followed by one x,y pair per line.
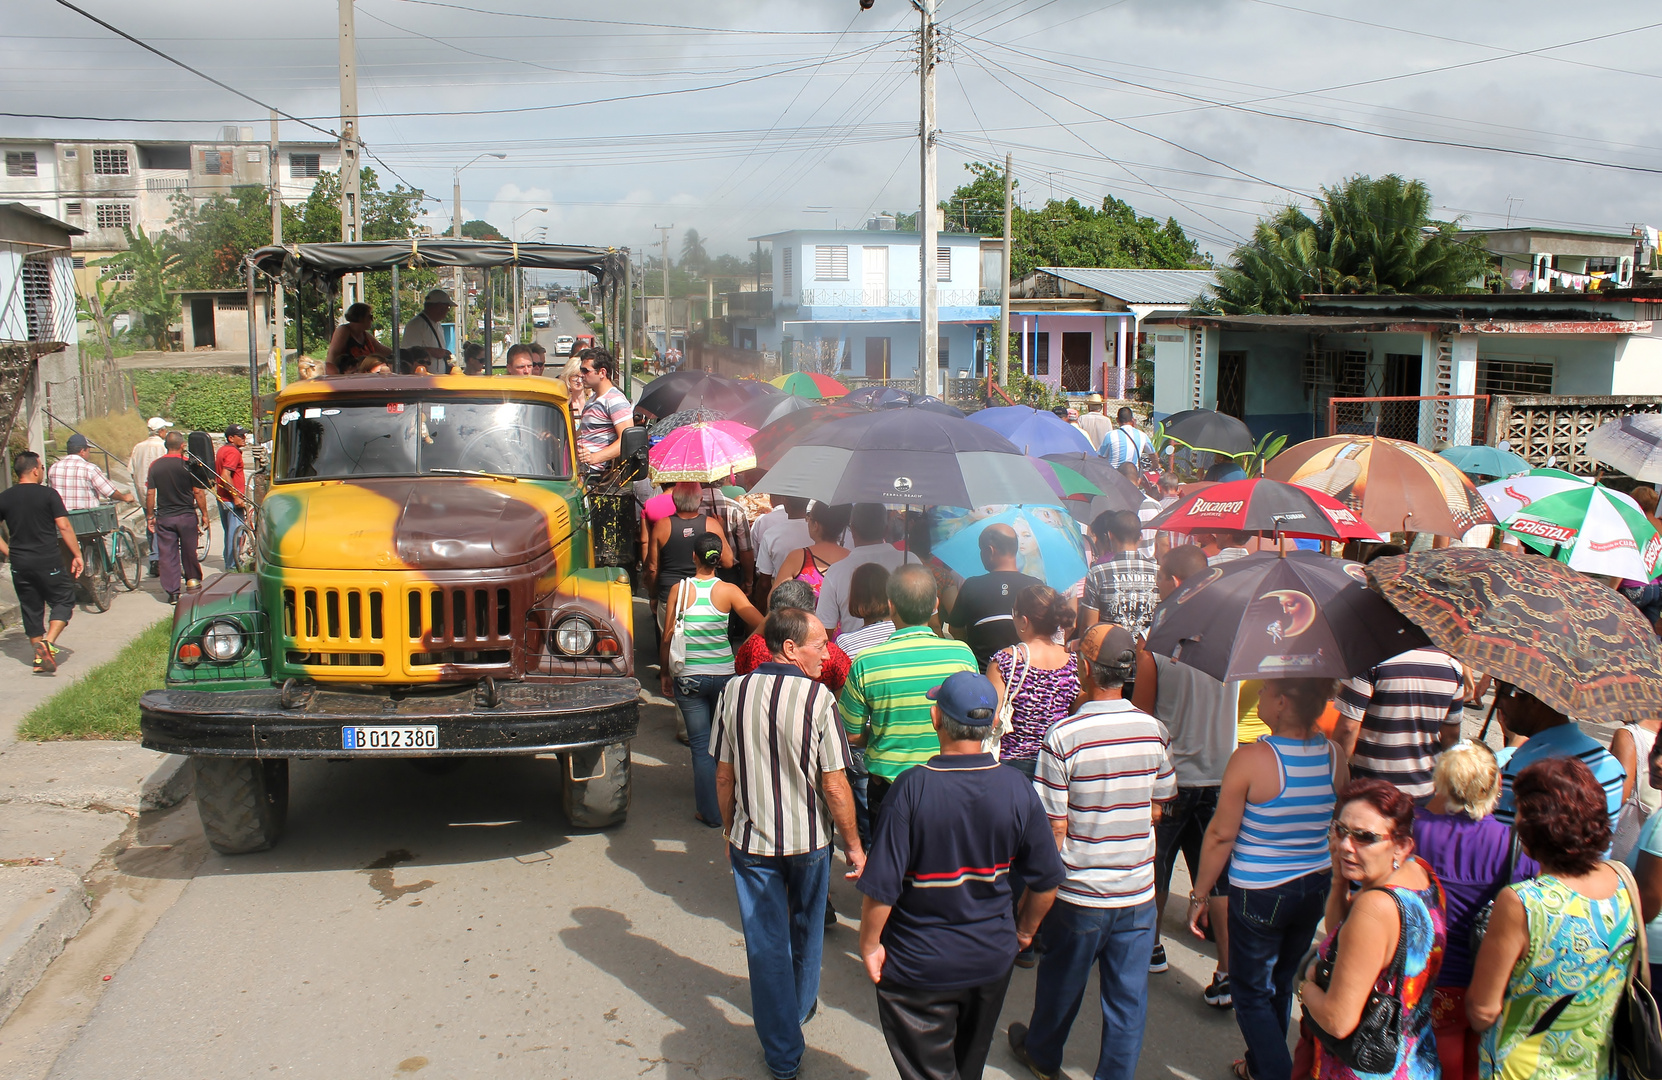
x,y
1263,506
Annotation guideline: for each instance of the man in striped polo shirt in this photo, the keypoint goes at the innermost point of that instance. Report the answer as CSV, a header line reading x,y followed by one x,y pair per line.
x,y
1101,773
1397,717
887,684
1551,734
780,779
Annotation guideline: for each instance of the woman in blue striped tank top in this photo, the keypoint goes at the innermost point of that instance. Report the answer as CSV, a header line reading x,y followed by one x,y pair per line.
x,y
701,605
1269,835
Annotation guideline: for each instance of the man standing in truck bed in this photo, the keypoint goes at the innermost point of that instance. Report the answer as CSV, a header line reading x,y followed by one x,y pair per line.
x,y
608,412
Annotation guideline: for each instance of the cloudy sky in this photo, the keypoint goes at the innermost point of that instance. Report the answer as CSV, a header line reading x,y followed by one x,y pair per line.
x,y
742,117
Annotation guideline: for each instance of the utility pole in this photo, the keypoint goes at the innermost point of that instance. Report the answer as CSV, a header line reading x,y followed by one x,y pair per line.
x,y
1009,275
664,231
460,285
929,345
353,291
279,334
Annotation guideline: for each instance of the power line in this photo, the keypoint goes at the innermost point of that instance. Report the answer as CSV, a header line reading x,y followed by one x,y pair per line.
x,y
622,22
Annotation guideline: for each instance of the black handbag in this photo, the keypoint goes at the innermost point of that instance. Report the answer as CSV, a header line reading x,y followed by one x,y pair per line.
x,y
1374,1045
1480,922
1637,1032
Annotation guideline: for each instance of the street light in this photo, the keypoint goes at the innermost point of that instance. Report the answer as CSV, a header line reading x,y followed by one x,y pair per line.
x,y
514,230
456,232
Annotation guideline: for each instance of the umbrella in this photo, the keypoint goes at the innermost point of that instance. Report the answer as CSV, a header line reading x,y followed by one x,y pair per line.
x,y
1263,506
1049,546
927,402
1121,493
759,412
905,456
873,396
1576,644
699,453
785,432
1507,497
1485,461
1065,482
810,384
1632,444
1037,433
1204,429
687,389
659,428
1302,615
1593,529
1390,484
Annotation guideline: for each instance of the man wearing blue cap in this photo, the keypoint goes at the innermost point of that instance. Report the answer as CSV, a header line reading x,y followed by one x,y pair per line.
x,y
938,931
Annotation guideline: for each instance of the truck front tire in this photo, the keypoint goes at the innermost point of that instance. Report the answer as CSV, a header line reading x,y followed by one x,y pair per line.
x,y
603,801
243,802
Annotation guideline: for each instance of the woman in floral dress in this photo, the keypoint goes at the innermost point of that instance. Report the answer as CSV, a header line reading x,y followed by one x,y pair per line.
x,y
1038,675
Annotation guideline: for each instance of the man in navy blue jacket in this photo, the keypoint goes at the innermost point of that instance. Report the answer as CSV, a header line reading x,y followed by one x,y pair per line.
x,y
938,931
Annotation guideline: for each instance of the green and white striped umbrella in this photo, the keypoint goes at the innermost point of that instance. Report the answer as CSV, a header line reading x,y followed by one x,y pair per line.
x,y
1592,529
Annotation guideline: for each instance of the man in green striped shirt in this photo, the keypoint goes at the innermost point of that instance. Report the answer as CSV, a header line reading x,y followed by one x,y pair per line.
x,y
887,683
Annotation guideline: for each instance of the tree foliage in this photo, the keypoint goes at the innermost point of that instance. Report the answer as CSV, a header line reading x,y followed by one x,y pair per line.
x,y
481,230
1367,236
694,256
147,294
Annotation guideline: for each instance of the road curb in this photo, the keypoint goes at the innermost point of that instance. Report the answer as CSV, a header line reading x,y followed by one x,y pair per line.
x,y
168,783
41,909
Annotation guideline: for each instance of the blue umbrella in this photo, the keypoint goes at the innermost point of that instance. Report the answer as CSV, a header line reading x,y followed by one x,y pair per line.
x,y
1485,461
1051,548
1036,433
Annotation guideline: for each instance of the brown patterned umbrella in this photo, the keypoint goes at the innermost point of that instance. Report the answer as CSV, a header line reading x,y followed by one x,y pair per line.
x,y
1576,644
1394,486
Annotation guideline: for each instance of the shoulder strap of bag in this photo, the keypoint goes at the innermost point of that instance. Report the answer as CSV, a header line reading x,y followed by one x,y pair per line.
x,y
1640,970
1019,657
1399,962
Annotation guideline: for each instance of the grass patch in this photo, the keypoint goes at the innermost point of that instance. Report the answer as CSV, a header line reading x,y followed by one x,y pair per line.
x,y
116,433
104,704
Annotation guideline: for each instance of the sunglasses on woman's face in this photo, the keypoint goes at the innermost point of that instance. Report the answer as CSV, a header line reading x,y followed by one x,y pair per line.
x,y
1363,837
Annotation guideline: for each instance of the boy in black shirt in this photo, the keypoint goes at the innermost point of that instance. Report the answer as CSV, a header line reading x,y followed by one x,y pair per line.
x,y
38,525
982,618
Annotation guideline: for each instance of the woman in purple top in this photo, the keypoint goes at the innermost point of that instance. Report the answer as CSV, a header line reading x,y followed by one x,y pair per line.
x,y
1039,677
1470,851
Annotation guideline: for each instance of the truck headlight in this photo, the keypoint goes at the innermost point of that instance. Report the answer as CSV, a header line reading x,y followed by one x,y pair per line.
x,y
222,641
574,636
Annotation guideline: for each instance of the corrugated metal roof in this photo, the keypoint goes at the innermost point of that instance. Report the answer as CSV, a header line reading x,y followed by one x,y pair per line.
x,y
1139,286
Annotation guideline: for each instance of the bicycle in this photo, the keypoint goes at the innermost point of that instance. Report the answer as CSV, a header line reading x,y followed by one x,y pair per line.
x,y
109,552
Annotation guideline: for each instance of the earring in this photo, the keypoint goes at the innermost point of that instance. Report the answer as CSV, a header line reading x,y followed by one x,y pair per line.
x,y
1396,864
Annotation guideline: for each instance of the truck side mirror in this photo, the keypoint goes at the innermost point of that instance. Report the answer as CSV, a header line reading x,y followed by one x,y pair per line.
x,y
635,441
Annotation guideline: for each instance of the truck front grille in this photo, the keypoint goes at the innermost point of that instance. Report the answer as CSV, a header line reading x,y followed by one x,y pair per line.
x,y
459,625
334,627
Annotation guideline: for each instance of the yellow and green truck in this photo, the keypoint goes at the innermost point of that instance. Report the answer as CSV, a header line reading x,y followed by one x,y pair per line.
x,y
423,586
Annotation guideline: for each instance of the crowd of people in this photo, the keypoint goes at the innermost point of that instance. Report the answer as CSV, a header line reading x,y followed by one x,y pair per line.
x,y
1012,776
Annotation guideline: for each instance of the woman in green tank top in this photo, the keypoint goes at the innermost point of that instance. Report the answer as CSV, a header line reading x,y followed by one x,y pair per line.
x,y
700,605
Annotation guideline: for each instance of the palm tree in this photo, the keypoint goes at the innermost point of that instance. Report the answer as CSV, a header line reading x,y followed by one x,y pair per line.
x,y
146,292
693,256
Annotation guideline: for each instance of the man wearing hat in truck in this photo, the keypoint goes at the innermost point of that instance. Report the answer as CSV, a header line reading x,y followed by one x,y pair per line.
x,y
423,333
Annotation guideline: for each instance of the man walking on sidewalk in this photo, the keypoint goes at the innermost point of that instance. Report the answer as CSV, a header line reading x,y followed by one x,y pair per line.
x,y
938,931
780,779
1101,772
232,489
145,453
38,524
175,508
82,484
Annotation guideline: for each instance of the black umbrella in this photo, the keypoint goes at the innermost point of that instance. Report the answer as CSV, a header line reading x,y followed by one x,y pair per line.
x,y
761,411
1118,493
873,396
1305,615
1203,429
690,389
659,428
926,402
907,456
771,442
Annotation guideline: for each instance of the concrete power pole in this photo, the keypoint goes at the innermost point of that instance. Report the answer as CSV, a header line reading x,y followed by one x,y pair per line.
x,y
279,332
459,288
353,290
664,230
1009,275
929,345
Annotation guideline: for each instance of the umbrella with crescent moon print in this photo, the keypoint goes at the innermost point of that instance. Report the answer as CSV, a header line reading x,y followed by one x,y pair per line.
x,y
1299,616
907,457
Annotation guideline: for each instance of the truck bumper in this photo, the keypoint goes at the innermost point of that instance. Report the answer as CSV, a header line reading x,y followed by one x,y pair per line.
x,y
528,718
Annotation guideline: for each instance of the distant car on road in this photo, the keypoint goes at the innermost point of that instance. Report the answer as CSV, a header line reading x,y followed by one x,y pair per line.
x,y
563,345
539,316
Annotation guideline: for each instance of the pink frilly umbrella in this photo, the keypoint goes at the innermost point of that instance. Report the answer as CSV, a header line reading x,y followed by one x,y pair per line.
x,y
701,453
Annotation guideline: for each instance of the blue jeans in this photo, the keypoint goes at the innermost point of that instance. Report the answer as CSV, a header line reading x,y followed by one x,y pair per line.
x,y
1269,932
230,524
698,696
782,907
857,774
1118,941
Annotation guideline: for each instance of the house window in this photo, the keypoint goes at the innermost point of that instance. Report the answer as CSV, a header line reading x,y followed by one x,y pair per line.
x,y
943,352
21,163
1038,352
110,161
253,157
1501,376
69,155
217,162
943,263
115,275
72,209
831,262
232,302
78,262
303,166
787,275
114,215
37,298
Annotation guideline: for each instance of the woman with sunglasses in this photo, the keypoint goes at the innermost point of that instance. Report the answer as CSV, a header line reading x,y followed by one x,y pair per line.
x,y
1397,901
1270,833
1554,962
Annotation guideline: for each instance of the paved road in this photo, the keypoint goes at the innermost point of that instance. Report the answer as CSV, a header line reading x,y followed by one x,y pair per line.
x,y
566,321
454,925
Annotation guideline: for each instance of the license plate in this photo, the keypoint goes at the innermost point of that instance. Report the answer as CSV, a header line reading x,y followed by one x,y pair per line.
x,y
389,738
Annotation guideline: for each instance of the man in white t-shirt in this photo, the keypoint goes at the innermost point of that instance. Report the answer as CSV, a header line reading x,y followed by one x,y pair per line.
x,y
868,524
422,332
775,535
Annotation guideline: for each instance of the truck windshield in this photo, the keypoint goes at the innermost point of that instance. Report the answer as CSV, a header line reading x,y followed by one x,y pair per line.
x,y
332,440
